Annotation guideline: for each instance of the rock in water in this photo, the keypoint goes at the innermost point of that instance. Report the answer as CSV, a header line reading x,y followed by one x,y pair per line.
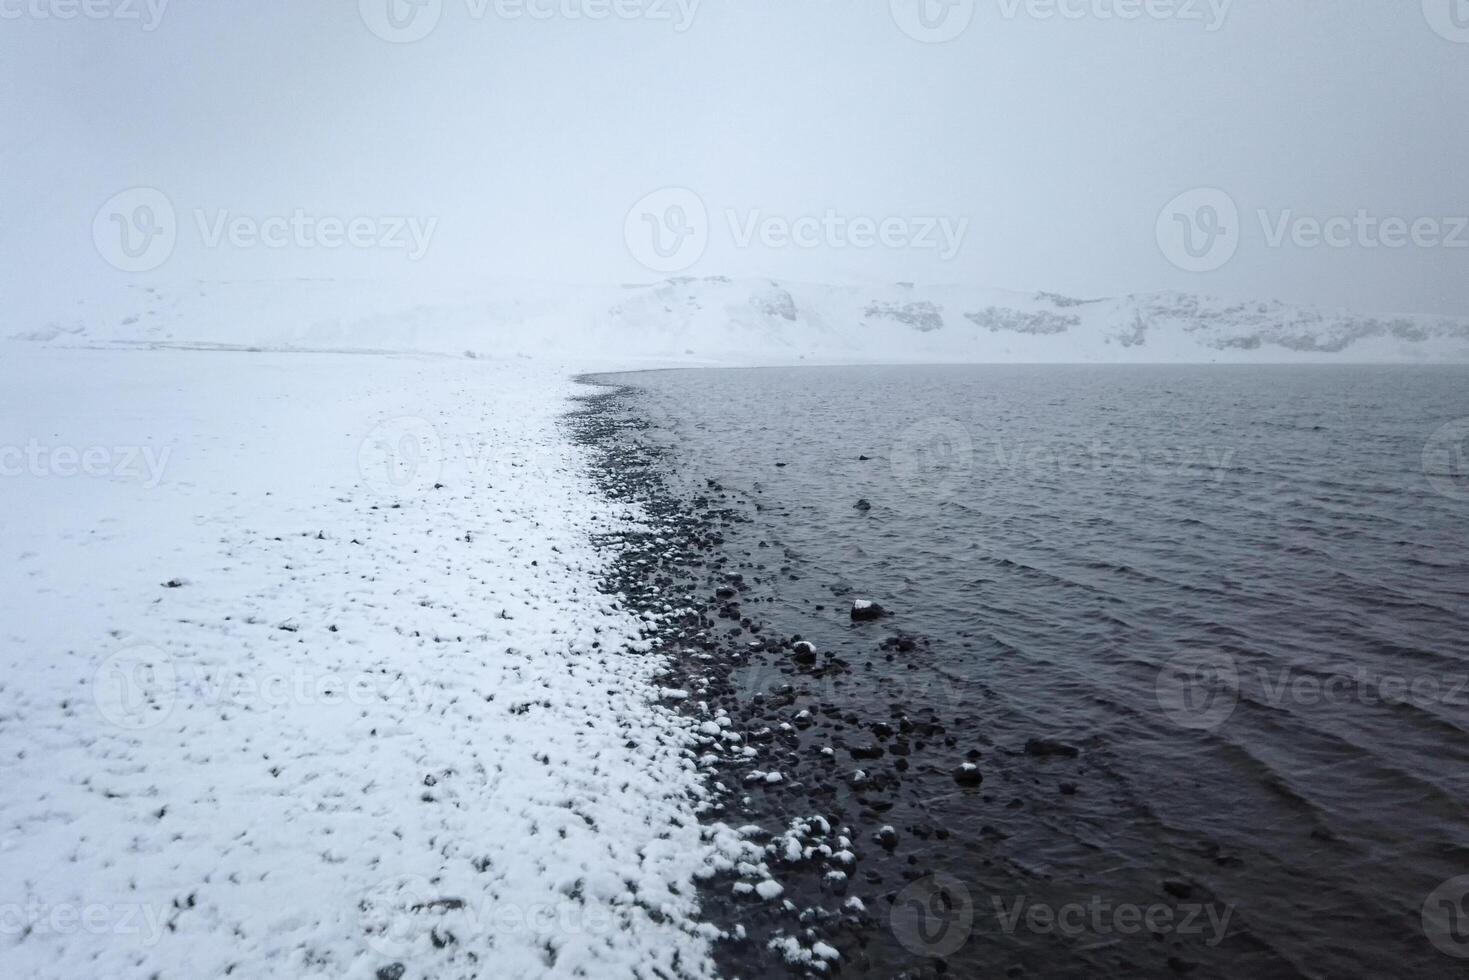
x,y
864,611
968,775
805,652
1043,747
863,504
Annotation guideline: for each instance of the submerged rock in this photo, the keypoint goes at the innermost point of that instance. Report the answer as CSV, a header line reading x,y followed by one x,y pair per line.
x,y
1045,747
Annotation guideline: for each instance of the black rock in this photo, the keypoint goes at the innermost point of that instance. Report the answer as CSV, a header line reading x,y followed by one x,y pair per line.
x,y
862,505
968,775
393,972
1178,888
864,611
1044,747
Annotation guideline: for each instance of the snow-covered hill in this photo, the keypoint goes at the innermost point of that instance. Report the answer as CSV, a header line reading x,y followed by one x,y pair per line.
x,y
742,321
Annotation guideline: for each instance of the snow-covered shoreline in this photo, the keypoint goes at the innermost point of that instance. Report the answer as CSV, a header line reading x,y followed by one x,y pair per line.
x,y
306,673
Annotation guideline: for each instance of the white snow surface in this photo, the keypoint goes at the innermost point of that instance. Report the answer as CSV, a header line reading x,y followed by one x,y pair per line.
x,y
272,705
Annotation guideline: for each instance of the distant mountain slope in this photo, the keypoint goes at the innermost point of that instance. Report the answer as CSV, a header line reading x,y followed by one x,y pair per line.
x,y
746,321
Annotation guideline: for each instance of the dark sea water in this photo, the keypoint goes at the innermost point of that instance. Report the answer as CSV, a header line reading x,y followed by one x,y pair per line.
x,y
1234,591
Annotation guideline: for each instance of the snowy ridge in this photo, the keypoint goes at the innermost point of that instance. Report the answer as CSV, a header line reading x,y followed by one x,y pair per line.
x,y
717,320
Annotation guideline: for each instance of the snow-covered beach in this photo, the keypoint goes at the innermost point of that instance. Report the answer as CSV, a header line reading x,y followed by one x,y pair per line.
x,y
306,673
310,662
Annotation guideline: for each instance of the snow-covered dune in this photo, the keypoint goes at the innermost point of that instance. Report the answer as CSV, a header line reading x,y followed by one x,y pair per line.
x,y
717,320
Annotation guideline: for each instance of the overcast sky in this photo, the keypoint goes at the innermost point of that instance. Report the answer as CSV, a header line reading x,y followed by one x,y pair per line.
x,y
1045,147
